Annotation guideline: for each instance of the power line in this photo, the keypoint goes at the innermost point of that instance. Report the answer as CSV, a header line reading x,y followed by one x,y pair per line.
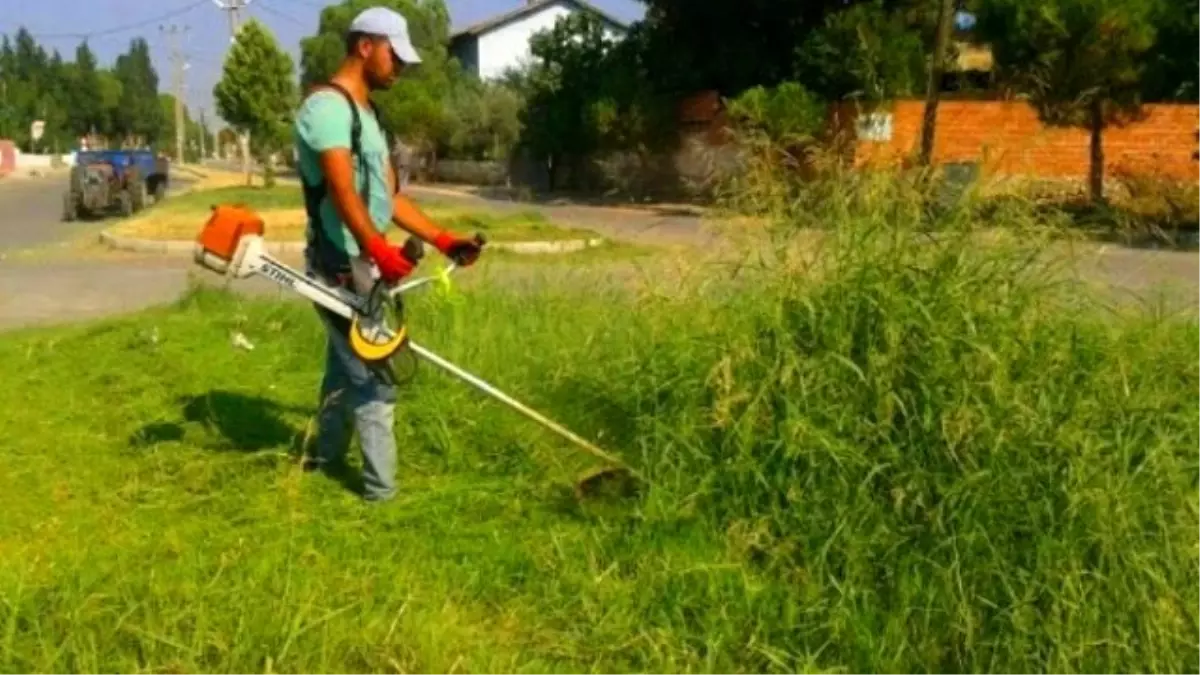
x,y
275,12
119,29
234,7
311,3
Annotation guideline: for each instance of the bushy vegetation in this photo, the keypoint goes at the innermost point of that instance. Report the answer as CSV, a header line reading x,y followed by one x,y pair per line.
x,y
115,105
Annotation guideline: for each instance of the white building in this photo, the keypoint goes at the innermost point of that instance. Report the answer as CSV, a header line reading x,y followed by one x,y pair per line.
x,y
489,48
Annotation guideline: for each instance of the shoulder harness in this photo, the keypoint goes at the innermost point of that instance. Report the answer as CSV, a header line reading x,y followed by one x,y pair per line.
x,y
323,255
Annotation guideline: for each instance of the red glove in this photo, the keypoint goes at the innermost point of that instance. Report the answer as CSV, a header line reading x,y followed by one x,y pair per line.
x,y
462,251
393,265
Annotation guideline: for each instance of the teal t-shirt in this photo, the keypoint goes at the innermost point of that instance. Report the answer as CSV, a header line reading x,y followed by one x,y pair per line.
x,y
322,123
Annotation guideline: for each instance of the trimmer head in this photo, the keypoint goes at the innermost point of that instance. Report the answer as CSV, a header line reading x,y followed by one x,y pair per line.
x,y
608,481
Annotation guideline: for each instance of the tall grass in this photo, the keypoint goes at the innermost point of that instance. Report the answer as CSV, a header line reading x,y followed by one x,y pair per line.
x,y
907,447
957,458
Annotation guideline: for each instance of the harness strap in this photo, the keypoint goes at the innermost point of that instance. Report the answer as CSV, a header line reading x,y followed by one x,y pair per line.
x,y
323,256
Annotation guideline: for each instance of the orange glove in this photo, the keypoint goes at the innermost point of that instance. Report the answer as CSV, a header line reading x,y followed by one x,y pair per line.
x,y
392,263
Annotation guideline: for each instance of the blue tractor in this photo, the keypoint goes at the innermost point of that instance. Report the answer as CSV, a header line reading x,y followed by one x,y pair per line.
x,y
106,180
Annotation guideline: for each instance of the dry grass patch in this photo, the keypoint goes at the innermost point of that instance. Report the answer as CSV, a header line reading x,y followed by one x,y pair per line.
x,y
183,219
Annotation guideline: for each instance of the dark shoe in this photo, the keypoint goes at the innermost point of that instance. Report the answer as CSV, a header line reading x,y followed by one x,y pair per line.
x,y
310,464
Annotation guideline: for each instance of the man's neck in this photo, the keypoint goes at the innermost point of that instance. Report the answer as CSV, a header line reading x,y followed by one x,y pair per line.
x,y
350,76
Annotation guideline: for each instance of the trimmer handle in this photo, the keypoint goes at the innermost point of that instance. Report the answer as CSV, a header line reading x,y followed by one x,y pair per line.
x,y
413,249
479,241
418,250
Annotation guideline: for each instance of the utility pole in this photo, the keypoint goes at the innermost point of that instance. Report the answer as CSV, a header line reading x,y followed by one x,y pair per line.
x,y
178,63
933,89
203,133
234,7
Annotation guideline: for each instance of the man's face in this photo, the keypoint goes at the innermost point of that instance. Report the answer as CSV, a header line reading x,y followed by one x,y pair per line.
x,y
380,65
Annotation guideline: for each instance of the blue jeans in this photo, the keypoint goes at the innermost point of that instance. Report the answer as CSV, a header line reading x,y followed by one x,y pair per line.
x,y
351,391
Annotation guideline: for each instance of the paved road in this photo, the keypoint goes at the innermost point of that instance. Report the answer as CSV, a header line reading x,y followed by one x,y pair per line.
x,y
57,290
52,289
639,226
31,211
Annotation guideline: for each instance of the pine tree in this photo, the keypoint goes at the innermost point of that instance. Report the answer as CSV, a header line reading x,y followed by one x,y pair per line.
x,y
85,113
138,116
1080,62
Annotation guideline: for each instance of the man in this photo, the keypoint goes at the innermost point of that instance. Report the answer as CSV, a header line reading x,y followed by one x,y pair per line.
x,y
352,197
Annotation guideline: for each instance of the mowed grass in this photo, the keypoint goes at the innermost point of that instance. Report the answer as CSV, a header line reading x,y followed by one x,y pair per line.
x,y
282,209
897,455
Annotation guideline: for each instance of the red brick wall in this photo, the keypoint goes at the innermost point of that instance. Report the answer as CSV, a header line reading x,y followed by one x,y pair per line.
x,y
1008,139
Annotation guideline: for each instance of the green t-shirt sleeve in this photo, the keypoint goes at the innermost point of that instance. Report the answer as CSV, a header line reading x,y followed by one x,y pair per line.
x,y
324,122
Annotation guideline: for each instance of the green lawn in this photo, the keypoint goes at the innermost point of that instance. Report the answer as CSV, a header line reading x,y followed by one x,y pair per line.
x,y
921,459
260,198
282,208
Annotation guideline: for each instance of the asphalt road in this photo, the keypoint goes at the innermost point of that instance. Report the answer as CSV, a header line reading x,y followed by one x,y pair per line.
x,y
41,290
31,210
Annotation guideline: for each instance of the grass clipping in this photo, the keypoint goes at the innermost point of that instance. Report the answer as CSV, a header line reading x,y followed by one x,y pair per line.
x,y
897,452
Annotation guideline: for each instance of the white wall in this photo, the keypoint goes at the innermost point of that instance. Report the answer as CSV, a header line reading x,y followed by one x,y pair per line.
x,y
508,46
32,161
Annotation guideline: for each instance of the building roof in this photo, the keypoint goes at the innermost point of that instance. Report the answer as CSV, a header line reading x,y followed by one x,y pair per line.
x,y
532,7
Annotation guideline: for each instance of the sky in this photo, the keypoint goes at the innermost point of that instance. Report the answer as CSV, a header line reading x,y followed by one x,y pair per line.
x,y
110,24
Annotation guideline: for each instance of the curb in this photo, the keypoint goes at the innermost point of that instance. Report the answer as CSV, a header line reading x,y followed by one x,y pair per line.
x,y
687,210
178,247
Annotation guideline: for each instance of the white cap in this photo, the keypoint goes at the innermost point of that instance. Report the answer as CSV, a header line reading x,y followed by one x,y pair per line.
x,y
388,23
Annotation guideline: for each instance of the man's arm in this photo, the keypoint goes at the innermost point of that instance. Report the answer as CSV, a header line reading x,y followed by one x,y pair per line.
x,y
411,219
338,169
406,215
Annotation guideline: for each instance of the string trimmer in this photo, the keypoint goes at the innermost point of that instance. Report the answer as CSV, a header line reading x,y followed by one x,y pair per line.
x,y
231,244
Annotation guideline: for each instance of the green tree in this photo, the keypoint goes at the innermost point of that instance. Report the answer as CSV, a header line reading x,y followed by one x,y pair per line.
x,y
1174,64
110,101
865,52
138,117
73,99
1080,62
414,107
257,92
53,104
564,108
85,111
9,88
29,64
732,45
482,120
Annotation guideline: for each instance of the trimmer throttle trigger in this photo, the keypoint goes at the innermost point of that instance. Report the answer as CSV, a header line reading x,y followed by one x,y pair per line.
x,y
413,249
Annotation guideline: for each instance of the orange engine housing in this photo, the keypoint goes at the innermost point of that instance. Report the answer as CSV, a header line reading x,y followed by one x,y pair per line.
x,y
218,240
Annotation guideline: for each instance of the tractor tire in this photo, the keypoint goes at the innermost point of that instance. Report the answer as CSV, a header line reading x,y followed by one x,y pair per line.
x,y
75,181
70,207
125,202
139,195
135,185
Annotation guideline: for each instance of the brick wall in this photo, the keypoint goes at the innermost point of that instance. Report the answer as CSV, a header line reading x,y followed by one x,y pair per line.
x,y
1008,139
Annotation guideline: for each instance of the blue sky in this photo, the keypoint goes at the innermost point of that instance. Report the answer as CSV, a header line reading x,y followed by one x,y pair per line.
x,y
110,25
